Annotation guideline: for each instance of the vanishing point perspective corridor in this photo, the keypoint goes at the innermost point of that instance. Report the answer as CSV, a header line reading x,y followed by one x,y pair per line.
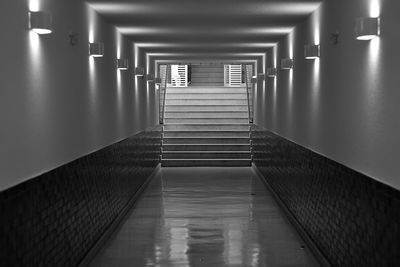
x,y
199,133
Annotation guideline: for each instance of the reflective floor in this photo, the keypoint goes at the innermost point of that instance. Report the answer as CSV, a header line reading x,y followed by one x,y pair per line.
x,y
205,217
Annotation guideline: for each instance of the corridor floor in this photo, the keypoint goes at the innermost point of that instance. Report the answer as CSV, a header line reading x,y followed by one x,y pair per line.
x,y
205,217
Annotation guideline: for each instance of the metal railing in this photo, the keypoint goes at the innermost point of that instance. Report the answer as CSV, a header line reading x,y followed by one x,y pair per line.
x,y
164,73
248,71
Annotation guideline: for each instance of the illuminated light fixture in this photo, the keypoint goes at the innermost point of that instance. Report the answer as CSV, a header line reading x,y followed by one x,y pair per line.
x,y
287,63
367,28
157,80
253,79
96,49
122,64
271,72
260,76
139,71
40,22
311,51
150,77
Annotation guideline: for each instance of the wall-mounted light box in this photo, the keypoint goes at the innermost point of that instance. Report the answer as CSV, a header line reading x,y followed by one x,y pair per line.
x,y
122,64
261,76
150,77
271,72
96,49
287,63
157,80
311,51
40,22
253,79
139,71
367,28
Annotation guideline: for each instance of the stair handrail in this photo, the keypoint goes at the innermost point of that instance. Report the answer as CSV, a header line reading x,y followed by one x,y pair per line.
x,y
249,91
163,90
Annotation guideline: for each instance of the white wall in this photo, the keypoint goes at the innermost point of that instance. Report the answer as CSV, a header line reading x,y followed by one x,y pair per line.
x,y
57,104
345,105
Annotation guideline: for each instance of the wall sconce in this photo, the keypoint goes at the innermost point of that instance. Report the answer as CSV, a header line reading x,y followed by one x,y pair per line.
x,y
40,22
157,80
96,49
311,51
367,28
287,63
260,76
139,71
253,79
150,77
271,72
122,64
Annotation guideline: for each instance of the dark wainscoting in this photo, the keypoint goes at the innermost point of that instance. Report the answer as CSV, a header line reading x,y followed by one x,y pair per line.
x,y
56,218
351,218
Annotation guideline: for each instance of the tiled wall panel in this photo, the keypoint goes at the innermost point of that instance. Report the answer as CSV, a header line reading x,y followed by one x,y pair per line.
x,y
56,218
353,219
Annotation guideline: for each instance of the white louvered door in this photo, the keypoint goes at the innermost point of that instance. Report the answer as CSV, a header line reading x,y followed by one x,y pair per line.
x,y
232,75
179,74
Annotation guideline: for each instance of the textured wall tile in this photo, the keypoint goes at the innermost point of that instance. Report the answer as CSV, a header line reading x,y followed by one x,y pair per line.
x,y
55,218
353,219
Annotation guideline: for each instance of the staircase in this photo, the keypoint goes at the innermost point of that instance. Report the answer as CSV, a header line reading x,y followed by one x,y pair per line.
x,y
207,75
206,126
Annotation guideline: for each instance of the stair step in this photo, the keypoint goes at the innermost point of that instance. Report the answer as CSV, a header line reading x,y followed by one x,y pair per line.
x,y
216,108
206,102
205,133
219,69
211,80
206,90
207,84
206,120
208,126
206,155
206,147
204,96
206,114
205,162
206,140
208,75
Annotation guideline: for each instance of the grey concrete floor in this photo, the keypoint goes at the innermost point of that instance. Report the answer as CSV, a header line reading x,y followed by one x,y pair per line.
x,y
205,217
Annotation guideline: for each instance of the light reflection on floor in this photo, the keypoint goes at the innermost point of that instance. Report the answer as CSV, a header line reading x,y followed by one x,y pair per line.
x,y
205,217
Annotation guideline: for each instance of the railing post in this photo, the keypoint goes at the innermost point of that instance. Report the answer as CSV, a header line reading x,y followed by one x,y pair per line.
x,y
249,90
162,92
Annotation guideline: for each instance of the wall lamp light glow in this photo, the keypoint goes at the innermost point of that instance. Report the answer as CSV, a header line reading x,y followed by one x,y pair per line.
x,y
253,79
139,71
40,22
122,64
367,28
96,49
271,72
287,63
311,51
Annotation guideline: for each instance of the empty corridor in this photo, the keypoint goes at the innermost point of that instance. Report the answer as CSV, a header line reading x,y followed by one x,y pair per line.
x,y
205,217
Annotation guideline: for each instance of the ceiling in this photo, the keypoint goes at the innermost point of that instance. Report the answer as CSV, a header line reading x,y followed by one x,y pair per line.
x,y
204,26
